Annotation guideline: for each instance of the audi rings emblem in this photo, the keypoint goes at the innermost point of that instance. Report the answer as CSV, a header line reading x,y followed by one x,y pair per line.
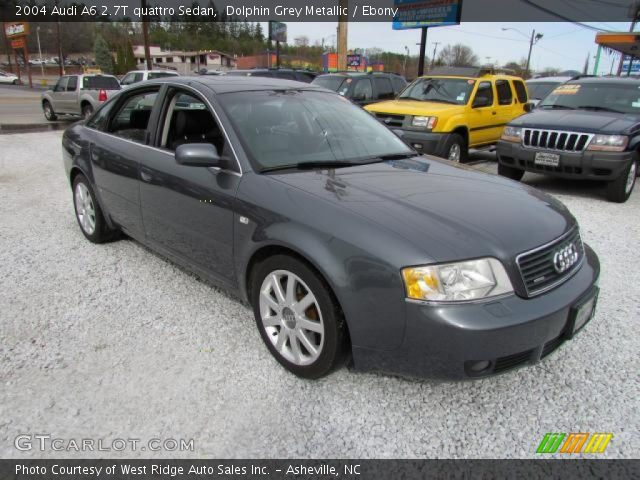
x,y
565,258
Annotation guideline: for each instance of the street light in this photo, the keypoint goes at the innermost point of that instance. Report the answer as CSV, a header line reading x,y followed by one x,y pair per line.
x,y
40,52
535,37
406,49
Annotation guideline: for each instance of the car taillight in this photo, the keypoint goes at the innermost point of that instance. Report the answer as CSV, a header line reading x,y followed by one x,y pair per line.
x,y
102,96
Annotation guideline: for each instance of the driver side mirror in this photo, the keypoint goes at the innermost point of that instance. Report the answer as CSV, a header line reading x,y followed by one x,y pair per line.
x,y
198,155
480,102
528,107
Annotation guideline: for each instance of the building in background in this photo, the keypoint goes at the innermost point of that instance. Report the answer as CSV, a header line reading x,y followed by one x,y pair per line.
x,y
185,63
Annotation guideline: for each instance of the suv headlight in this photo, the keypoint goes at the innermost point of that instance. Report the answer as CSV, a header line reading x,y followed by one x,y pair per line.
x,y
457,282
512,134
424,122
609,143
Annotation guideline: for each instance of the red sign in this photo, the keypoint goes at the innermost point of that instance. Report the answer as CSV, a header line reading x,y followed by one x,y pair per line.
x,y
17,44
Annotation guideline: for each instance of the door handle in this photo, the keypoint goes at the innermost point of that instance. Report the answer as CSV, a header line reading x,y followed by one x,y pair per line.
x,y
145,175
493,113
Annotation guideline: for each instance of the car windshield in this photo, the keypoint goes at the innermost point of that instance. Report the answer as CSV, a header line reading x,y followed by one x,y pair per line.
x,y
332,82
446,90
100,82
539,90
280,128
153,75
615,97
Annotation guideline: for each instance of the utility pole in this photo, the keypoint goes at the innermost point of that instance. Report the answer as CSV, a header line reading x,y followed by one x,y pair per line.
x,y
60,56
423,46
532,42
433,59
342,35
145,36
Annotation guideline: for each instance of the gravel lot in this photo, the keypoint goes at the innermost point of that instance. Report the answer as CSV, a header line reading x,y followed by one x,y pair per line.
x,y
113,341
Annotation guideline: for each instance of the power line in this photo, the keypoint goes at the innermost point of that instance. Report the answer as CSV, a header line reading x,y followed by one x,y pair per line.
x,y
491,36
562,17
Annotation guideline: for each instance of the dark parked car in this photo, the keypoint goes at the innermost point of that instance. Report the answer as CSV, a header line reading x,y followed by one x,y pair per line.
x,y
588,128
363,88
282,73
344,240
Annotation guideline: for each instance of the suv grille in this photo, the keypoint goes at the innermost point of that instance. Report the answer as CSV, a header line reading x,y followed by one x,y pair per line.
x,y
556,140
390,120
538,267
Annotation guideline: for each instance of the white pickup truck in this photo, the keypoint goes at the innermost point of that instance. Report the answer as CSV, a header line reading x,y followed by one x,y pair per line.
x,y
78,95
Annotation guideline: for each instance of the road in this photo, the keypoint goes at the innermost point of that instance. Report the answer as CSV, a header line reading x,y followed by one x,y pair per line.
x,y
21,106
113,341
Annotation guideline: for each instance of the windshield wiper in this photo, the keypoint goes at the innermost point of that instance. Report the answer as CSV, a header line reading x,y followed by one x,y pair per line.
x,y
559,107
396,156
598,108
311,165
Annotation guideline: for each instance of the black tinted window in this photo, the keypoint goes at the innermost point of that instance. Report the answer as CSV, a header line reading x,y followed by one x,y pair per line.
x,y
384,88
505,95
73,84
153,75
363,90
99,119
521,91
540,90
100,82
304,77
332,82
285,75
485,93
398,84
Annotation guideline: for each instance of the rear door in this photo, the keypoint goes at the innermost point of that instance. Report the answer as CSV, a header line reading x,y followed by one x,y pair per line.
x,y
116,151
70,96
188,211
507,104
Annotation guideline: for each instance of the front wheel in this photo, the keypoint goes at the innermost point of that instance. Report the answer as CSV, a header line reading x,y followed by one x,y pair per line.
x,y
299,320
619,190
49,114
456,149
510,172
15,82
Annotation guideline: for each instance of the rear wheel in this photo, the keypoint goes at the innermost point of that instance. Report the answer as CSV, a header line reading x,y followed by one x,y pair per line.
x,y
49,114
456,148
510,172
15,82
88,212
87,110
619,190
299,320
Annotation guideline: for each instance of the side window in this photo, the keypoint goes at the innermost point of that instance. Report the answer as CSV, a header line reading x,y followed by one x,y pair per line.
x,y
132,118
137,77
188,120
286,75
127,80
384,88
61,86
505,95
72,85
484,95
363,90
398,84
521,91
99,120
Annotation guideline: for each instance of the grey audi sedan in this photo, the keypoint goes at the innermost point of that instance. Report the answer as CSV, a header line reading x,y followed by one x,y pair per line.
x,y
349,245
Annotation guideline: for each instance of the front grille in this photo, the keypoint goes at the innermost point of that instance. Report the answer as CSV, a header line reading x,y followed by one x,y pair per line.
x,y
556,140
537,266
391,120
512,361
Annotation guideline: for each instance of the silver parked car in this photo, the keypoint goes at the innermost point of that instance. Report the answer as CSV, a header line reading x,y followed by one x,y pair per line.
x,y
137,76
78,95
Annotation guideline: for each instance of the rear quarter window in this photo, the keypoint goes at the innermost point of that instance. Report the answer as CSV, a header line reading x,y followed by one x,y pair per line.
x,y
521,91
505,95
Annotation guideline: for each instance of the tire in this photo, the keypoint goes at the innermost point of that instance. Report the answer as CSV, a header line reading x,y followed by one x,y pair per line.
x,y
89,214
49,114
15,82
510,172
456,149
306,352
87,110
619,190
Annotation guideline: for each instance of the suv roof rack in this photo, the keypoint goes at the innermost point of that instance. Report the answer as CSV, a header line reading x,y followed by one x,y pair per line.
x,y
474,72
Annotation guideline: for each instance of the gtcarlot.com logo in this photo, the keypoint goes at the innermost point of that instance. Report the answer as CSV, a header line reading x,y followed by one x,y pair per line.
x,y
574,443
46,442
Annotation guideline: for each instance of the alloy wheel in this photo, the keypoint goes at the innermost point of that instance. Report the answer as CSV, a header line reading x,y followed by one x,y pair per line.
x,y
85,209
455,152
291,317
631,178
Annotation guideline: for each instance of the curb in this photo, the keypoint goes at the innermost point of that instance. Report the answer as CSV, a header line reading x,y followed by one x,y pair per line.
x,y
6,129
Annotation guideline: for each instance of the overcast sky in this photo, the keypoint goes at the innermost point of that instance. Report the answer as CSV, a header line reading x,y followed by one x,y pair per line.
x,y
564,45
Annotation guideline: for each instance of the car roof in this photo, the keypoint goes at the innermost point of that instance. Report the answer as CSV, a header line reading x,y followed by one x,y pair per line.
x,y
229,84
550,80
358,74
611,80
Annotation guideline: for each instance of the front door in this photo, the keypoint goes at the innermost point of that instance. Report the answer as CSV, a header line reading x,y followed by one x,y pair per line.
x,y
58,94
482,116
189,211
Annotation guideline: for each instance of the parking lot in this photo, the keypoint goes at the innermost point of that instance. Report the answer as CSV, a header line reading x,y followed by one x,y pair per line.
x,y
113,341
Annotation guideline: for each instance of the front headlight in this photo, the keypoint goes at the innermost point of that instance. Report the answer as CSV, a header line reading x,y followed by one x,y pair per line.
x,y
609,143
457,282
424,122
512,134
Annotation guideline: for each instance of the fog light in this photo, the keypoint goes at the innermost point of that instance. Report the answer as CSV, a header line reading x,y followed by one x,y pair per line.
x,y
479,366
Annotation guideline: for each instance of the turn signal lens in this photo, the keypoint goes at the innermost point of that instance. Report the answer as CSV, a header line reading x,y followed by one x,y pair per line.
x,y
457,282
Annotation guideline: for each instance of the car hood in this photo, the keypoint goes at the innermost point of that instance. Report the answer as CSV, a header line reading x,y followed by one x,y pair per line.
x,y
450,212
413,107
579,120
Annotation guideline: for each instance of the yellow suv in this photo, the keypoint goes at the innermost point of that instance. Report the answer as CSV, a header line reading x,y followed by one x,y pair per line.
x,y
452,109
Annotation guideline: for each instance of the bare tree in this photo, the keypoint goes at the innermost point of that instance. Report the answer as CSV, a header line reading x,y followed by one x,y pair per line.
x,y
457,55
302,41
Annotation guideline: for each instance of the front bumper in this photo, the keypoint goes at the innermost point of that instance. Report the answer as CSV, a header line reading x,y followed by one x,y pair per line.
x,y
444,341
590,165
426,142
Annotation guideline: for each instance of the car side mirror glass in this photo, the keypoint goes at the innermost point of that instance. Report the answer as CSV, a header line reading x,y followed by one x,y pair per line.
x,y
198,155
528,107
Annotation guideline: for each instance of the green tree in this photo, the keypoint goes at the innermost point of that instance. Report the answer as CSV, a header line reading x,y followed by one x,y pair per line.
x,y
104,60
